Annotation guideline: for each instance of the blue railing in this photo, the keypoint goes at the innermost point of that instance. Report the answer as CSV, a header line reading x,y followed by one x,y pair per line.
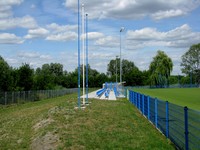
x,y
180,124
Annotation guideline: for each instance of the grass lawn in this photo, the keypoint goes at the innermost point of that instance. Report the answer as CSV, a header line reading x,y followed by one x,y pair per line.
x,y
189,97
55,124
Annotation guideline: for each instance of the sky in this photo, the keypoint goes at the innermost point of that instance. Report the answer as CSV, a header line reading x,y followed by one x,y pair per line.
x,y
43,31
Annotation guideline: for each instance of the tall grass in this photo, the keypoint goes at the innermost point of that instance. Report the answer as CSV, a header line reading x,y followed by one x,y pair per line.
x,y
55,124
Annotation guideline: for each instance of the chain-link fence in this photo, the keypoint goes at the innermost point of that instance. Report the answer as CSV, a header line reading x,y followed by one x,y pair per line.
x,y
180,124
7,98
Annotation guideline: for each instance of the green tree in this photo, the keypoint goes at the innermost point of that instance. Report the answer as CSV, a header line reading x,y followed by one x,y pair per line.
x,y
5,75
173,79
191,62
160,69
111,67
56,70
25,77
133,77
127,69
44,78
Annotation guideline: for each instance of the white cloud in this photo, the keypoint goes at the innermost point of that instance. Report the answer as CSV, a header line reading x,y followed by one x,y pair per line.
x,y
28,54
37,33
66,36
61,32
24,22
32,55
6,6
7,38
10,2
182,36
33,6
167,14
35,59
133,9
108,41
55,28
95,35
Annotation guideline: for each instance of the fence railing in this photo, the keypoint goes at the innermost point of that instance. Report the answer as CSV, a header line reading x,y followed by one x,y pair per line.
x,y
170,86
180,124
7,98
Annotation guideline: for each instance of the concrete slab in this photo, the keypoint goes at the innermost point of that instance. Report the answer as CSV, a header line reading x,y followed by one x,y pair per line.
x,y
103,96
91,95
112,96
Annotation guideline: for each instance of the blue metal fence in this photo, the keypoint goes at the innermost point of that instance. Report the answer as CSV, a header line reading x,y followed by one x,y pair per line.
x,y
180,124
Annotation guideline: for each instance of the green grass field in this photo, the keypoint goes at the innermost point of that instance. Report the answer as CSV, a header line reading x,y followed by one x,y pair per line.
x,y
55,124
189,97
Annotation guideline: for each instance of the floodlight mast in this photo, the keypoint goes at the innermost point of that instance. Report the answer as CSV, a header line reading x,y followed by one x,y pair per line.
x,y
79,72
121,30
116,67
83,50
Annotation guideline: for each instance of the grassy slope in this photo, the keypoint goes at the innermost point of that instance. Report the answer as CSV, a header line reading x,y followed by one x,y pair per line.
x,y
103,125
181,96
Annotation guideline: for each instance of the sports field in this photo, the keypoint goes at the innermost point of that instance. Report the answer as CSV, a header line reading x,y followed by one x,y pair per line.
x,y
189,97
55,124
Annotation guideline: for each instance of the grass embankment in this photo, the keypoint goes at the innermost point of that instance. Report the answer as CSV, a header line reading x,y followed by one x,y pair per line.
x,y
189,97
55,124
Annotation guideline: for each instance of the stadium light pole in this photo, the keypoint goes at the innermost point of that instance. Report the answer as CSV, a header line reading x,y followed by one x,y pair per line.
x,y
116,68
87,59
121,30
79,72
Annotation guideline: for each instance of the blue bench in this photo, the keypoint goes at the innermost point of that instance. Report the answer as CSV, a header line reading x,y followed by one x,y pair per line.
x,y
116,92
100,92
107,93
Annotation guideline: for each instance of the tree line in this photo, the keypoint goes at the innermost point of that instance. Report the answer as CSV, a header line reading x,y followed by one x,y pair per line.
x,y
52,76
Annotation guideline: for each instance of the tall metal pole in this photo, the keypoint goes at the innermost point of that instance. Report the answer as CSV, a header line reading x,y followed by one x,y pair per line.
x,y
121,30
116,68
120,57
79,72
190,79
87,58
83,50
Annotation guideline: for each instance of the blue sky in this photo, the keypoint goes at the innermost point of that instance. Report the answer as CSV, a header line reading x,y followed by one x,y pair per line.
x,y
42,31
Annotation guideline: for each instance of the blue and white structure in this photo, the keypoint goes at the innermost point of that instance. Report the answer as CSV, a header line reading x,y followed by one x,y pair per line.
x,y
109,91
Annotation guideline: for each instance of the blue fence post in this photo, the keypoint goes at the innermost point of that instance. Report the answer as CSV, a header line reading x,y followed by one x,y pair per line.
x,y
167,119
156,113
129,95
135,99
186,128
148,101
143,104
139,101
